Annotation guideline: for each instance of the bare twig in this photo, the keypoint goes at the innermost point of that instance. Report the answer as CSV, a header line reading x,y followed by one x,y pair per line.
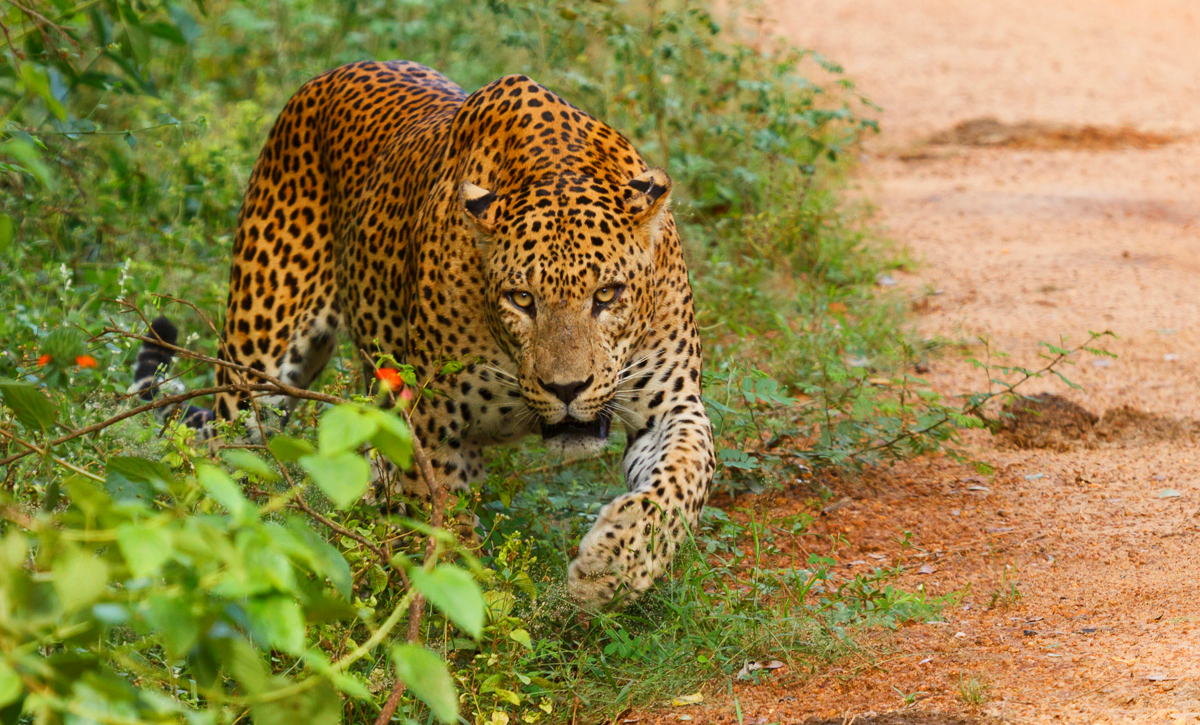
x,y
118,132
36,449
393,700
384,560
40,21
61,16
18,56
169,400
279,385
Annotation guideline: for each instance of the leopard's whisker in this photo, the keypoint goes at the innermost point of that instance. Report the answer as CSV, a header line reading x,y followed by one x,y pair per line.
x,y
633,379
612,410
499,371
636,363
526,414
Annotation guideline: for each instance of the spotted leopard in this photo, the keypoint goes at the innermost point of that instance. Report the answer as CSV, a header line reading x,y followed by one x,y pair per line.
x,y
505,229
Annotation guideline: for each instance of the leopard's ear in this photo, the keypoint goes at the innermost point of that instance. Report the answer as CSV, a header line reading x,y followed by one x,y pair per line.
x,y
647,196
479,207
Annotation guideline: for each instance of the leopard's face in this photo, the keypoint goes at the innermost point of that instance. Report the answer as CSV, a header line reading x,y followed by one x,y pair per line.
x,y
568,267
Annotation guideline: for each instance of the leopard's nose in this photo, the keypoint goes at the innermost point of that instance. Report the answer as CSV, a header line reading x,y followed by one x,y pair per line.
x,y
566,392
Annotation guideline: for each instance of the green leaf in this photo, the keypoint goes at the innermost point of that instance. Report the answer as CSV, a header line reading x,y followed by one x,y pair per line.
x,y
289,449
80,578
343,478
325,608
32,408
325,557
317,706
141,469
30,160
110,614
11,685
174,622
346,683
223,490
733,458
408,375
352,686
521,637
184,22
243,662
139,41
145,549
278,622
345,428
426,676
7,232
167,32
507,695
122,490
393,438
378,578
245,461
36,81
455,592
87,496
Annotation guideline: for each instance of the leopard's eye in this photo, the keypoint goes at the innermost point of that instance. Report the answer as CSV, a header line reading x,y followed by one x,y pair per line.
x,y
607,294
521,299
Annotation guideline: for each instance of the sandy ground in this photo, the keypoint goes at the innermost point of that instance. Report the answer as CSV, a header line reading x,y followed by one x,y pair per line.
x,y
1023,246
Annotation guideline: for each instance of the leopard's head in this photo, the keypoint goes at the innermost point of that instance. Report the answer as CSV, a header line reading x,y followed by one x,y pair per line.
x,y
569,278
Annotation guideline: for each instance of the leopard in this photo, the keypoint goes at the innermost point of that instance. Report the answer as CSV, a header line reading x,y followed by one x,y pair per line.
x,y
507,230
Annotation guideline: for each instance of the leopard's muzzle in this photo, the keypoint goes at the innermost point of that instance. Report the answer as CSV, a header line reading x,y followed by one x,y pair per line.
x,y
596,428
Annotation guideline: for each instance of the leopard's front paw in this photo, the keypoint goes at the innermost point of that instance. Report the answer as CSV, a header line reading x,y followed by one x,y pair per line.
x,y
591,581
620,557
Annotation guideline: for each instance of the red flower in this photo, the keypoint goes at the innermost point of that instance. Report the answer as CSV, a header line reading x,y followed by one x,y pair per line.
x,y
43,360
85,361
390,377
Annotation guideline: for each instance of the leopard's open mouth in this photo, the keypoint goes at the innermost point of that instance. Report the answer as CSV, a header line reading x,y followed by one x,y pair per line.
x,y
595,428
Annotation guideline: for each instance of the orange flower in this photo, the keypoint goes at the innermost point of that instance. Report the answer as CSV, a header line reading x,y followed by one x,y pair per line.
x,y
43,360
85,361
390,376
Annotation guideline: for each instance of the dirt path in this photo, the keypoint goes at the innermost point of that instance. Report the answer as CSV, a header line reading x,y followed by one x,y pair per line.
x,y
1021,246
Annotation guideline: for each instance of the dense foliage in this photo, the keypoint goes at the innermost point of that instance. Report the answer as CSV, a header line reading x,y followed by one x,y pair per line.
x,y
146,579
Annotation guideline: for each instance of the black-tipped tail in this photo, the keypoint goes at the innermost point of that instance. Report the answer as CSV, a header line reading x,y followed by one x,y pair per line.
x,y
154,359
153,362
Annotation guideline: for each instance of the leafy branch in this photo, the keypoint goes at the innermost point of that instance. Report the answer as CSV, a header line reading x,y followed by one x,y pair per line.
x,y
34,411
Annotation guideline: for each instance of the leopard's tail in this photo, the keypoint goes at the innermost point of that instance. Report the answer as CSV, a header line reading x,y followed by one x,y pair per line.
x,y
150,376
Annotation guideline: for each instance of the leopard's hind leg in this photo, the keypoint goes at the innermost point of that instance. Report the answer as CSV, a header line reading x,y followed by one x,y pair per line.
x,y
281,316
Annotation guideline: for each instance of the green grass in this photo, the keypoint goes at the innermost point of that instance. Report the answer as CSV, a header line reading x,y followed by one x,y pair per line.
x,y
973,691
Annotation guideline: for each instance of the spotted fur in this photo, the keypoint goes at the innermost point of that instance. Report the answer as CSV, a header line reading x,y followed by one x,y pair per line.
x,y
507,230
